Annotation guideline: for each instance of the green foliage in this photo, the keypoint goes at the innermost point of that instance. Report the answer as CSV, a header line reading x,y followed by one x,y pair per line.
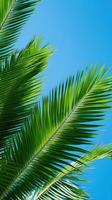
x,y
65,185
5,7
13,15
53,136
43,142
20,85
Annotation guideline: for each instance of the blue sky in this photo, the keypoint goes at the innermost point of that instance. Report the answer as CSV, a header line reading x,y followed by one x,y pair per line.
x,y
80,31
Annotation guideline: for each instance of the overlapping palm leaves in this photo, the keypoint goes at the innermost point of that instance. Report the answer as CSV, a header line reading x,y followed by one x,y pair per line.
x,y
52,137
42,144
13,14
65,185
19,87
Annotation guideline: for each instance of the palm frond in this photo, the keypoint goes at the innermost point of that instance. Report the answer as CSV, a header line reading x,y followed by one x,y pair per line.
x,y
52,138
63,190
5,7
13,15
65,184
20,85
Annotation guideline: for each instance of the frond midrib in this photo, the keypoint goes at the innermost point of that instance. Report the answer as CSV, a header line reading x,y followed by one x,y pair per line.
x,y
71,168
45,146
7,15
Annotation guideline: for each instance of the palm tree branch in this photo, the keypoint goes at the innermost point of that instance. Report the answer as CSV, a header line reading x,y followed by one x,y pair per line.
x,y
20,86
45,163
97,153
13,14
5,12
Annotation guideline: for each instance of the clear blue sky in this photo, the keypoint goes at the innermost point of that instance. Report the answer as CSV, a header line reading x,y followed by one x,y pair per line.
x,y
81,33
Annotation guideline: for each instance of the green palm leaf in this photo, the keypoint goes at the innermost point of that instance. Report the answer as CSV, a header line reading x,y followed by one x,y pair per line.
x,y
13,14
65,184
5,7
52,138
20,86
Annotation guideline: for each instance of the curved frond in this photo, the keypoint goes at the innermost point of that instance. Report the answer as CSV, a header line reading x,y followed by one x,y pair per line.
x,y
66,183
20,86
55,135
5,7
13,14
